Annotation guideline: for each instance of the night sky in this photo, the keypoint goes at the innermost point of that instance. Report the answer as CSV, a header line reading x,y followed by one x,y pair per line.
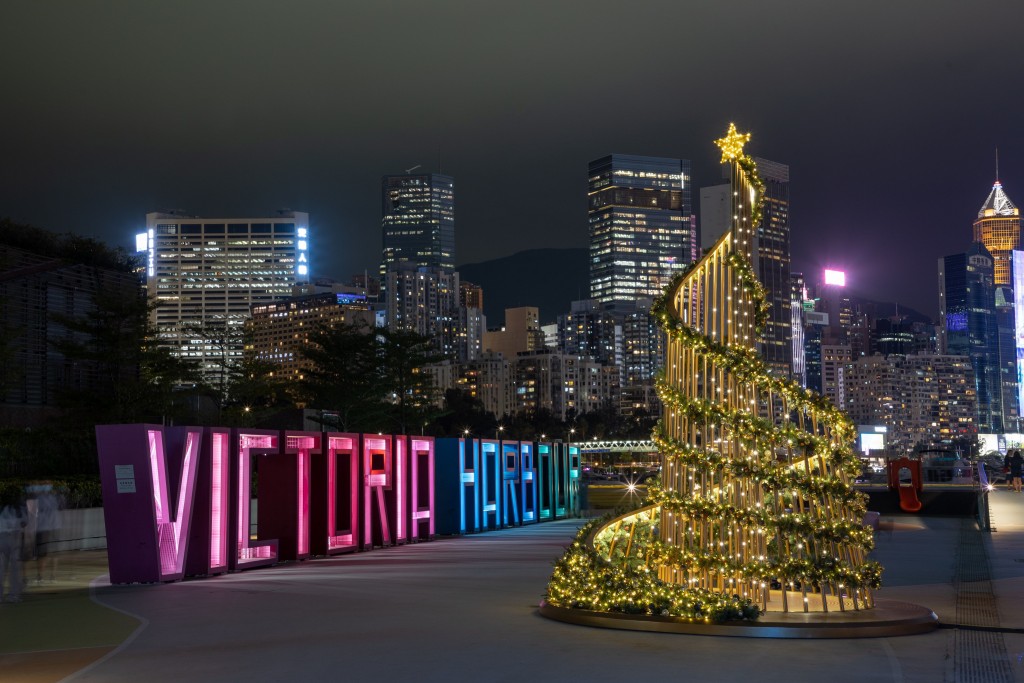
x,y
888,113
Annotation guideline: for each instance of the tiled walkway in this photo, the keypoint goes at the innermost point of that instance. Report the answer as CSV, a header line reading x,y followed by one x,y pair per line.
x,y
465,608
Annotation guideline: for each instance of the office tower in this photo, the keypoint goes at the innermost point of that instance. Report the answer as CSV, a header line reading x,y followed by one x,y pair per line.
x,y
641,226
899,336
772,255
280,330
969,328
772,266
1017,272
425,301
998,228
797,296
815,329
643,356
830,297
418,221
1007,355
591,332
205,274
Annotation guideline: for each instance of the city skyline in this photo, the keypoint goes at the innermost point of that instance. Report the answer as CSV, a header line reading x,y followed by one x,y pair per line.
x,y
884,125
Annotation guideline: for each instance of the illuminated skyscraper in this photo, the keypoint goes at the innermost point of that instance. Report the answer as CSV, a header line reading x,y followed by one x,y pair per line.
x,y
206,273
998,228
773,265
798,294
772,255
967,316
641,226
418,221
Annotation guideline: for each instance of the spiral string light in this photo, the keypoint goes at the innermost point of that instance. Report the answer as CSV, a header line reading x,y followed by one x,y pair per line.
x,y
756,510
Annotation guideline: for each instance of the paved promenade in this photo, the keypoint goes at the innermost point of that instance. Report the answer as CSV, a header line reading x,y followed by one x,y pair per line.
x,y
465,609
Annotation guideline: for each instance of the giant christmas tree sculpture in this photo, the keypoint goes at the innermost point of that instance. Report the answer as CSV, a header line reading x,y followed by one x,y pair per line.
x,y
756,512
757,498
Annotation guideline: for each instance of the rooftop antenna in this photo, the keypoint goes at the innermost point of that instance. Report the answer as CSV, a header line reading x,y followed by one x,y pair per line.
x,y
410,170
997,164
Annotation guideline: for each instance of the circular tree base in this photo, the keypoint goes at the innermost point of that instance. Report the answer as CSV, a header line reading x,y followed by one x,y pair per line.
x,y
887,618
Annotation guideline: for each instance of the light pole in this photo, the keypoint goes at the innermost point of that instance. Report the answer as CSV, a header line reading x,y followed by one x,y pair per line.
x,y
497,433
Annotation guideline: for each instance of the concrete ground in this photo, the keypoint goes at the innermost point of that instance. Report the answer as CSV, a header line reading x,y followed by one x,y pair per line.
x,y
465,608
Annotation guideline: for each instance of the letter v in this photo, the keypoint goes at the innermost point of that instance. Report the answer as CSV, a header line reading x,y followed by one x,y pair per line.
x,y
172,530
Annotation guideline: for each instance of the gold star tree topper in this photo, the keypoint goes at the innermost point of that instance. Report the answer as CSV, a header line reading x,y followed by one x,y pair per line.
x,y
732,144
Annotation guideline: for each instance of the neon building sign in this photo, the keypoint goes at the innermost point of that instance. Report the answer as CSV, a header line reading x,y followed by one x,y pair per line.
x,y
302,251
200,501
835,277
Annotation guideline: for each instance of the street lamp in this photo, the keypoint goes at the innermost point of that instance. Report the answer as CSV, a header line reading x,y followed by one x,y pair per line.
x,y
497,434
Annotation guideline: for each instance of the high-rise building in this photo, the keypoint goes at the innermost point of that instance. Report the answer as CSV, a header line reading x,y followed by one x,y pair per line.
x,y
564,384
490,379
418,220
205,274
772,266
641,226
798,294
426,301
835,356
521,333
967,317
921,399
471,295
772,255
715,214
998,228
1017,271
589,331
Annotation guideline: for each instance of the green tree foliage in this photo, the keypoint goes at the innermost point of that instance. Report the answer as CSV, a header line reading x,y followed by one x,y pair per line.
x,y
343,381
408,390
72,248
254,391
134,379
463,412
367,379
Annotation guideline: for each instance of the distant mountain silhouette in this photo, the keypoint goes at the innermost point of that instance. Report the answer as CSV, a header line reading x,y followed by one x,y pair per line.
x,y
552,278
887,309
546,278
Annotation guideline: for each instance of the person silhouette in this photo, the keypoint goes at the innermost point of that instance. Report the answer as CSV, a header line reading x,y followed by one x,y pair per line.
x,y
1016,470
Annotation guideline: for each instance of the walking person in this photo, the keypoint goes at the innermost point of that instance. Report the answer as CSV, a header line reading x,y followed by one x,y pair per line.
x,y
1016,469
12,522
48,524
